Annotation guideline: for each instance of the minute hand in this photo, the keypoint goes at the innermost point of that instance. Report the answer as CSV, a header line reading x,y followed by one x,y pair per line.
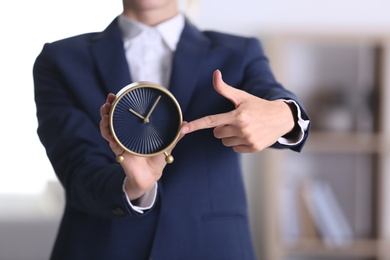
x,y
146,119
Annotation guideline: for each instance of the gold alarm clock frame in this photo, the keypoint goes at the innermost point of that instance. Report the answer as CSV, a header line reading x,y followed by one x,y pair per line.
x,y
132,87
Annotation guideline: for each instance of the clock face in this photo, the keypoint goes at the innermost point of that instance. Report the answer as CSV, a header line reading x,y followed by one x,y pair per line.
x,y
145,119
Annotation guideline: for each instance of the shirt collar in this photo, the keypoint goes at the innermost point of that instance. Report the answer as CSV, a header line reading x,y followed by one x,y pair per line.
x,y
170,30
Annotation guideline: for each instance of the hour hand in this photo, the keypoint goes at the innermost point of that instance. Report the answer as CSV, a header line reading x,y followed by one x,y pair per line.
x,y
137,114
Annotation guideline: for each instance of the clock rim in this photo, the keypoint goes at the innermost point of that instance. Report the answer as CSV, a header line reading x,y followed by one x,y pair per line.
x,y
142,84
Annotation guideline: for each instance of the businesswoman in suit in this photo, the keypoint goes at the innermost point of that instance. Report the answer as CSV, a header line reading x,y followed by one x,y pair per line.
x,y
142,208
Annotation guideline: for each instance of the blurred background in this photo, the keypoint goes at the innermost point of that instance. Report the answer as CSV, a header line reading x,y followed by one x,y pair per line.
x,y
328,202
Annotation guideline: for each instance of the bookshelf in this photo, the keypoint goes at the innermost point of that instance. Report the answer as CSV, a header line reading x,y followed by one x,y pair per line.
x,y
343,80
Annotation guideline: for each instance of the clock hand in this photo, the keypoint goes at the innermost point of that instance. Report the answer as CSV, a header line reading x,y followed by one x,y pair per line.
x,y
146,119
137,114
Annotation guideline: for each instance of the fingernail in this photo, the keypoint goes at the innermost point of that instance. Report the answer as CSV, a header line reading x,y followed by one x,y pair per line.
x,y
219,74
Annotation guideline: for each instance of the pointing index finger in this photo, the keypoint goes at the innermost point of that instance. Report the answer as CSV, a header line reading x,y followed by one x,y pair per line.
x,y
210,121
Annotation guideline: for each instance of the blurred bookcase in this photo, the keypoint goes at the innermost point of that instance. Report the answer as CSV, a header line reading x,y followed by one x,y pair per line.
x,y
332,201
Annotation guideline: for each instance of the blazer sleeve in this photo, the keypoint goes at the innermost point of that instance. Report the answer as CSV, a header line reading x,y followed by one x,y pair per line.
x,y
68,127
260,81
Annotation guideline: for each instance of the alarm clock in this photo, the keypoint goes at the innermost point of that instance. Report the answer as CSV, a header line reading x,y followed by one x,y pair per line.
x,y
145,120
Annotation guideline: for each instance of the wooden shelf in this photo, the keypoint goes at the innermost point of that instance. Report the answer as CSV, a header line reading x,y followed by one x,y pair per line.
x,y
368,248
326,71
317,248
362,143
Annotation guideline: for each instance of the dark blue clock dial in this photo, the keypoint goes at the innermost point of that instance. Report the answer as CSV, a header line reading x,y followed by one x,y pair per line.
x,y
146,120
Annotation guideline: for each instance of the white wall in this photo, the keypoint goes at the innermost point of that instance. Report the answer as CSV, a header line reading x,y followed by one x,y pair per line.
x,y
26,25
253,16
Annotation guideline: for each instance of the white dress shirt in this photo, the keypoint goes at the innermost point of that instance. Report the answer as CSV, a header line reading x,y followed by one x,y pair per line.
x,y
149,53
149,50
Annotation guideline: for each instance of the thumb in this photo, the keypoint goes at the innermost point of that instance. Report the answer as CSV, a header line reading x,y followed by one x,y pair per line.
x,y
236,96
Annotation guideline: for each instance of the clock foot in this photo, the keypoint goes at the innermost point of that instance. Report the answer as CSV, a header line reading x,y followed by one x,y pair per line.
x,y
168,158
120,157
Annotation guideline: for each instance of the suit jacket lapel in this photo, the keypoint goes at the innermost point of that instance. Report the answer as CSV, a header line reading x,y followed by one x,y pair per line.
x,y
189,54
107,48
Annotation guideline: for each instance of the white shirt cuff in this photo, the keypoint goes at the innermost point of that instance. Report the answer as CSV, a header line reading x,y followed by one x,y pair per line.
x,y
304,124
145,202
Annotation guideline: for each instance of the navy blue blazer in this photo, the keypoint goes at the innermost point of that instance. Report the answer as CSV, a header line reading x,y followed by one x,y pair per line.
x,y
201,210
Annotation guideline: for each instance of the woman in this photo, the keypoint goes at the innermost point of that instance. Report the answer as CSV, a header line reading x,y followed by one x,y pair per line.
x,y
142,208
